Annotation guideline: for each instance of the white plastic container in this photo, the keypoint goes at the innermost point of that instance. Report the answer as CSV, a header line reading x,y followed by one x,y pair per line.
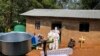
x,y
59,52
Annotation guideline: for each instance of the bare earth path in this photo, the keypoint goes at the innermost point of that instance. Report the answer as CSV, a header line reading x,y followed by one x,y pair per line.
x,y
89,51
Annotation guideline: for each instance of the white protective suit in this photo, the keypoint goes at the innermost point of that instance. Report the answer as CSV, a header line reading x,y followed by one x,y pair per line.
x,y
51,38
54,35
56,30
56,38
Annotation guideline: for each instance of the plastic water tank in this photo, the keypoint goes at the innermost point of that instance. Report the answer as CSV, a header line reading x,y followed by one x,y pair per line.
x,y
20,28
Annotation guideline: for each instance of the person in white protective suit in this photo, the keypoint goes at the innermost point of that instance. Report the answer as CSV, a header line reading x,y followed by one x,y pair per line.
x,y
51,39
56,30
56,38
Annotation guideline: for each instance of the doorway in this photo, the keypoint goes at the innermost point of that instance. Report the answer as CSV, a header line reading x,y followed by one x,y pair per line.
x,y
59,26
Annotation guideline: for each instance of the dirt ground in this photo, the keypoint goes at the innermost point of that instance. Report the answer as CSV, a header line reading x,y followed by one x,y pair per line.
x,y
95,51
83,51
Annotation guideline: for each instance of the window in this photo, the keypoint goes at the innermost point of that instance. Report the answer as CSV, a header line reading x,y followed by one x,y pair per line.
x,y
84,27
37,25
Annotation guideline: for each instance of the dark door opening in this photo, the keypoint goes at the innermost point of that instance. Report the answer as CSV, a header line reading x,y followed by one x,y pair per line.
x,y
59,26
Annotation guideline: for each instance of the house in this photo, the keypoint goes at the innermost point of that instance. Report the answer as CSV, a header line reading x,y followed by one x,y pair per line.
x,y
71,23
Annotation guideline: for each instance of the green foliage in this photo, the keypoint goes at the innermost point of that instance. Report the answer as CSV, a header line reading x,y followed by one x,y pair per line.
x,y
5,12
48,4
81,4
88,4
10,10
37,4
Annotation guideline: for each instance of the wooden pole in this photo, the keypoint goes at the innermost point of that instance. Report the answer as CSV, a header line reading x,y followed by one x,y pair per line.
x,y
44,47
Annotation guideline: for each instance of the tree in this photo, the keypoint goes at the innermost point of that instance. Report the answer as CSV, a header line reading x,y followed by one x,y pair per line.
x,y
5,13
88,4
79,4
10,10
48,4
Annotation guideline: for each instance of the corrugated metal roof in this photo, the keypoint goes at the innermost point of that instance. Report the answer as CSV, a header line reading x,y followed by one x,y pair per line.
x,y
63,13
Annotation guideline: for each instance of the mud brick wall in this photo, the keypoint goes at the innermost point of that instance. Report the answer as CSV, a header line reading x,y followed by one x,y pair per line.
x,y
70,29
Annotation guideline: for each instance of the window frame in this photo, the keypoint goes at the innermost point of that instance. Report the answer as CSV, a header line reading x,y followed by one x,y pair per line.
x,y
84,27
37,25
